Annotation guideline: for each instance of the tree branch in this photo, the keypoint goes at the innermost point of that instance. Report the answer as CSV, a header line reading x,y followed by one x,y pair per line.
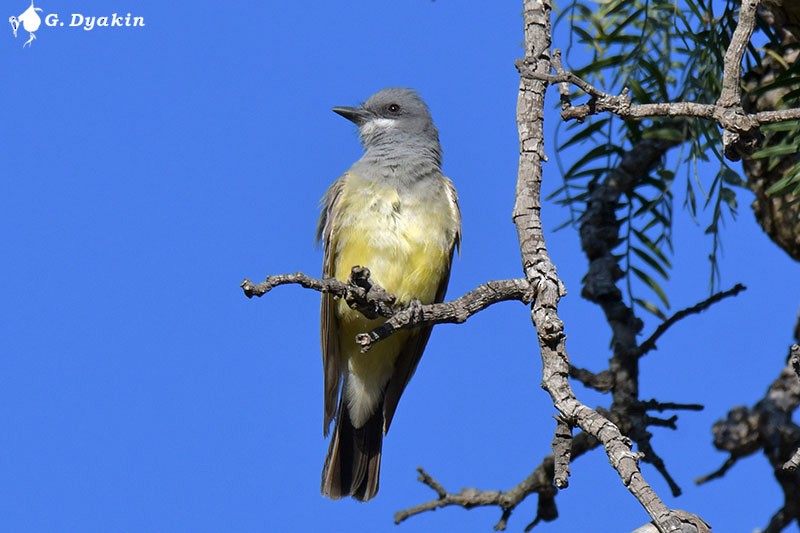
x,y
371,300
653,405
767,427
548,289
650,343
601,382
737,143
453,312
741,133
541,272
599,230
562,445
731,93
621,105
540,481
718,473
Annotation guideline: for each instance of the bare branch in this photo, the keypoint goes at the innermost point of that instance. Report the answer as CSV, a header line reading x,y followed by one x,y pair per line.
x,y
467,498
563,87
360,293
669,423
653,405
718,473
780,521
599,230
371,300
562,445
541,272
601,382
453,312
650,343
731,94
539,481
622,106
543,278
737,143
741,133
768,427
793,463
426,478
794,363
649,455
690,523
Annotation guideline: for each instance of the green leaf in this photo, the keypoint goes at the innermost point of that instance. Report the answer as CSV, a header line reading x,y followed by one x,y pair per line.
x,y
777,150
626,24
650,282
652,246
789,125
641,254
650,307
729,197
584,36
790,96
791,179
611,61
586,132
731,177
656,73
589,172
597,152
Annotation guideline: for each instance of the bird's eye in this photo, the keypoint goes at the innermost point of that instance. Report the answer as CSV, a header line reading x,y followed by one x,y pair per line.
x,y
393,108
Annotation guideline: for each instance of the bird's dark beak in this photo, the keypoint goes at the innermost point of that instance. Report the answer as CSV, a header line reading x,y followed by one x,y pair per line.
x,y
356,115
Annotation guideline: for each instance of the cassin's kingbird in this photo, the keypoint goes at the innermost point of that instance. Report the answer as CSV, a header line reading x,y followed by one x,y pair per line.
x,y
396,214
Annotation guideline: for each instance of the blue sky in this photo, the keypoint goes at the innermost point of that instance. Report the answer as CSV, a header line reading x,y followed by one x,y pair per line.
x,y
146,171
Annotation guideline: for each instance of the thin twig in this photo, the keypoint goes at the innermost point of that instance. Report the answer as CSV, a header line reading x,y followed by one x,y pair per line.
x,y
650,343
563,87
718,473
467,498
650,456
539,481
654,405
359,291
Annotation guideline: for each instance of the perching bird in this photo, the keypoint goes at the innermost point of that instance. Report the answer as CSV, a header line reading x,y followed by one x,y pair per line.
x,y
395,213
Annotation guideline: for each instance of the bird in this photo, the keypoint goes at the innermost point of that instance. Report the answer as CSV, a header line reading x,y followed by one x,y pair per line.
x,y
396,214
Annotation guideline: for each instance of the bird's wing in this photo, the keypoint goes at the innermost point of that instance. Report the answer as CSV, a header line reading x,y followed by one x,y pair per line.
x,y
328,322
409,358
453,195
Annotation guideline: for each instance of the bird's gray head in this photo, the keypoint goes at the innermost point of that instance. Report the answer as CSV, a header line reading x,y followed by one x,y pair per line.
x,y
394,118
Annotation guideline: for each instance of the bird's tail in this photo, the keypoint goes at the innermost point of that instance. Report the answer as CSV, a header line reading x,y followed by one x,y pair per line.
x,y
353,464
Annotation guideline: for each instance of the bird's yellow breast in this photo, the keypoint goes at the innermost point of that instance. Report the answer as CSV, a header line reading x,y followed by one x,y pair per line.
x,y
406,239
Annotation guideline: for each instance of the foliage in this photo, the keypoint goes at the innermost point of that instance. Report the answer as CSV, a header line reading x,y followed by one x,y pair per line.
x,y
661,51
